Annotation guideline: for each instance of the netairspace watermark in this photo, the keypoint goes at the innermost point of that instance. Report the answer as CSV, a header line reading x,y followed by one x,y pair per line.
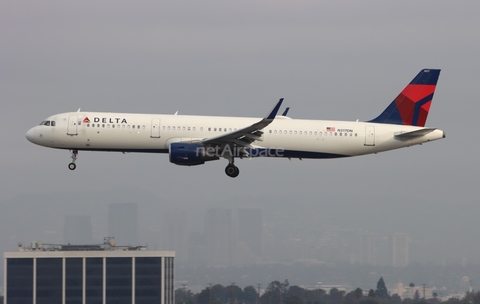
x,y
228,151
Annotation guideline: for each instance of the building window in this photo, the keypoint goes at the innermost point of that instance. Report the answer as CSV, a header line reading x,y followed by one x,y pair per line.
x,y
148,276
20,280
73,280
94,280
119,280
49,280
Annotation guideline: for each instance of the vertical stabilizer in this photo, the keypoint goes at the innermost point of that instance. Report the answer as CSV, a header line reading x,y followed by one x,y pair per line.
x,y
412,105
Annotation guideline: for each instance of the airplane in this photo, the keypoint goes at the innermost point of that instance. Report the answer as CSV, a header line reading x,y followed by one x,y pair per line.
x,y
193,140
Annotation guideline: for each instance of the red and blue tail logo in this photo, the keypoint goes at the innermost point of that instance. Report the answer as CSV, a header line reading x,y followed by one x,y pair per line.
x,y
412,105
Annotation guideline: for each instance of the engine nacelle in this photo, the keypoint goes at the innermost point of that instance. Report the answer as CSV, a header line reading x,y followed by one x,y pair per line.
x,y
185,154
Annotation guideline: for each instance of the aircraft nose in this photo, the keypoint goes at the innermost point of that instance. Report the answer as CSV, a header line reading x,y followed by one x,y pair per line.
x,y
30,135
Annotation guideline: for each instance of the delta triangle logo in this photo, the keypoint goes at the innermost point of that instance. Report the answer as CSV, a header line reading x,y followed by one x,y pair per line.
x,y
86,120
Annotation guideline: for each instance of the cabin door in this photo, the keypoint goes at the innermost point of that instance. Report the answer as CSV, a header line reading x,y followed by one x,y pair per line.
x,y
72,125
370,136
155,130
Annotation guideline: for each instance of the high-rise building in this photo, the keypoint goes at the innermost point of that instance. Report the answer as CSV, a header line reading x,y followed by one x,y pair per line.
x,y
249,241
219,236
369,246
77,229
123,223
400,250
88,274
177,233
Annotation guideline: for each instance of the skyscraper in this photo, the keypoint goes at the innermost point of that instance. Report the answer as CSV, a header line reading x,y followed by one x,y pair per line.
x,y
249,242
123,223
176,230
219,236
77,229
400,250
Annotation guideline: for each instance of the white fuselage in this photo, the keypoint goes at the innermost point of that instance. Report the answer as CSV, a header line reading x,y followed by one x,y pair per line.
x,y
298,138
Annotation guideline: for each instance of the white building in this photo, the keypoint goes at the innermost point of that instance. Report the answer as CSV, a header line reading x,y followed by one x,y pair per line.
x,y
106,273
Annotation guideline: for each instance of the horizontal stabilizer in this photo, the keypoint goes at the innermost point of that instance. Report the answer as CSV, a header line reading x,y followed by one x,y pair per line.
x,y
416,133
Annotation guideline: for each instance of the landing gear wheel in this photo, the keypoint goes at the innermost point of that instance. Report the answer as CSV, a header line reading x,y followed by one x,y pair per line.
x,y
72,165
232,170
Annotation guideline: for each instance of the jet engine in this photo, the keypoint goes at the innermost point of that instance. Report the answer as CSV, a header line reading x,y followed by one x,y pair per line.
x,y
186,154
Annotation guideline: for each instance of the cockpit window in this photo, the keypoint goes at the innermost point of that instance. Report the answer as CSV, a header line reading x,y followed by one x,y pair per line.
x,y
47,123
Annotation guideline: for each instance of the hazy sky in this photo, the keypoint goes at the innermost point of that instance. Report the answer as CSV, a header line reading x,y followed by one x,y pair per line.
x,y
328,59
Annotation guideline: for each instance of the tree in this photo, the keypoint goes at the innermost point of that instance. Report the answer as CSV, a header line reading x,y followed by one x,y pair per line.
x,y
354,296
416,297
219,294
336,296
371,293
203,297
382,291
250,295
275,293
183,295
395,299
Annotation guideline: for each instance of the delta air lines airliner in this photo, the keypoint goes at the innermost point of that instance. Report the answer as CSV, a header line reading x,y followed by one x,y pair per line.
x,y
193,140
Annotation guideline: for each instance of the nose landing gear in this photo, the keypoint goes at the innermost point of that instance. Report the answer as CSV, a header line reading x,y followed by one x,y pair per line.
x,y
72,165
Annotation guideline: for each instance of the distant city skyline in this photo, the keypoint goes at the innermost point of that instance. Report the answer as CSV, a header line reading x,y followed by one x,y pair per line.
x,y
78,229
123,223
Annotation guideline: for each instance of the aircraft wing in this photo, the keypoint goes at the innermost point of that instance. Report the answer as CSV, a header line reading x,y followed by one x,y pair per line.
x,y
245,136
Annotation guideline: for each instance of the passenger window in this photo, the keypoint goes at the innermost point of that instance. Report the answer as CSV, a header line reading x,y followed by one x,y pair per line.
x,y
103,125
315,133
113,126
183,129
88,125
133,127
173,128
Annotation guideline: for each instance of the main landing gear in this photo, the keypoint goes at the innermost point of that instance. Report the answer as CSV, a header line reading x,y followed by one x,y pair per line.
x,y
72,165
232,170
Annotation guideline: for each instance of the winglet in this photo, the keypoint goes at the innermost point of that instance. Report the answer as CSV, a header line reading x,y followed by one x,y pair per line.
x,y
274,112
286,111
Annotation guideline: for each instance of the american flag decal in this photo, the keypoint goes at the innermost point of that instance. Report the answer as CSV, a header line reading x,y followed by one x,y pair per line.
x,y
331,129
